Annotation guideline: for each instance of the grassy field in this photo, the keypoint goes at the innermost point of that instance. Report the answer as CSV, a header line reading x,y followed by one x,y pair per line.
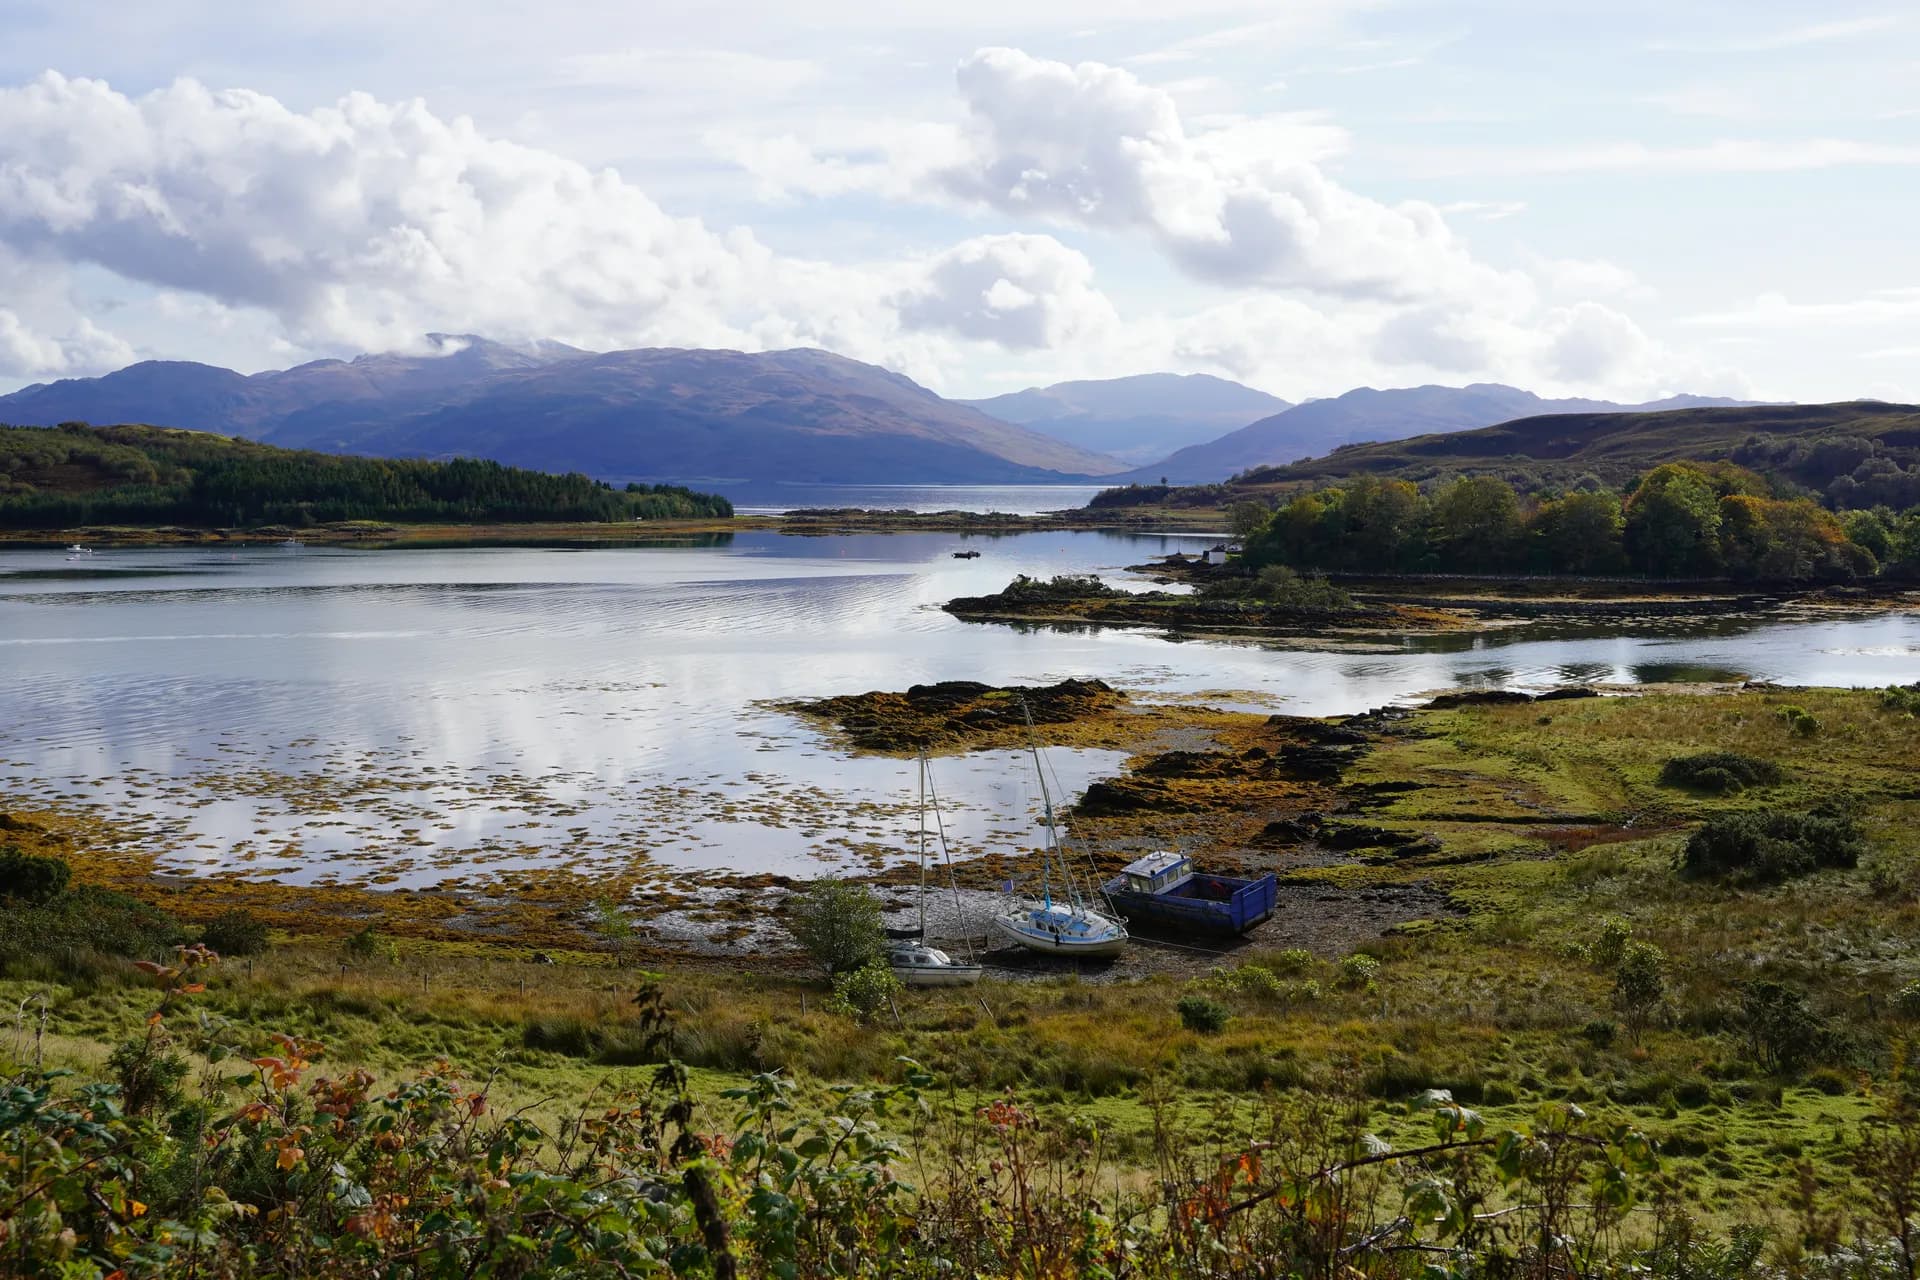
x,y
1545,824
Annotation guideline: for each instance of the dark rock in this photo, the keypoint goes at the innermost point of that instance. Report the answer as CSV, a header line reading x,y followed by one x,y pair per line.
x,y
1128,795
1478,698
1566,691
1296,830
1316,761
1358,835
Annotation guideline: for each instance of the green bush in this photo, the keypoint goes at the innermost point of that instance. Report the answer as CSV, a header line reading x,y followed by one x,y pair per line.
x,y
1284,588
27,878
1292,960
861,993
1198,1013
85,931
236,932
1720,772
1600,1032
1906,1001
366,945
1800,721
1901,699
1781,1031
1359,970
1607,949
1766,847
838,923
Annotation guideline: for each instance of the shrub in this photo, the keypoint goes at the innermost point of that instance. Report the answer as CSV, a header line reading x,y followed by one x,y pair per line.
x,y
1765,847
1901,699
838,923
1198,1013
1278,585
1639,985
236,933
367,945
149,1074
1607,949
1600,1032
27,878
1720,772
85,930
1800,721
1359,970
1906,1001
1782,1032
860,993
1292,960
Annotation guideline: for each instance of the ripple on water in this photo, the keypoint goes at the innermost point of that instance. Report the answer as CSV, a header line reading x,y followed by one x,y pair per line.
x,y
414,717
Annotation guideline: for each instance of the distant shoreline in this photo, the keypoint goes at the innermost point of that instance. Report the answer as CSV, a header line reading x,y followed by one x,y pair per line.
x,y
379,534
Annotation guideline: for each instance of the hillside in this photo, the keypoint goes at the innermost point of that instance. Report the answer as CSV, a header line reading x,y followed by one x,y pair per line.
x,y
1140,419
667,414
1866,442
1366,414
65,477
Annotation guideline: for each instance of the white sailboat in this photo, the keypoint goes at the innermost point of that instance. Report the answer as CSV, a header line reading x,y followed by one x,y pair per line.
x,y
1062,928
914,962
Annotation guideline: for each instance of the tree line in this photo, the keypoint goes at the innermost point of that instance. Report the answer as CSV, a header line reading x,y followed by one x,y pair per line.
x,y
1679,520
76,475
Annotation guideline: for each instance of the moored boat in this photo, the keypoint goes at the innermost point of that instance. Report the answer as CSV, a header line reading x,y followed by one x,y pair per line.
x,y
913,962
1163,888
1069,928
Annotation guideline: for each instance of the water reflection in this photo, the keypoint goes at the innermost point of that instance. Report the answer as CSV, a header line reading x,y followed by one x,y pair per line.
x,y
463,712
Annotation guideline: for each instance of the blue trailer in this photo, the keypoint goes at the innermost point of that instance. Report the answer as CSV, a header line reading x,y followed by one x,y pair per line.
x,y
1163,888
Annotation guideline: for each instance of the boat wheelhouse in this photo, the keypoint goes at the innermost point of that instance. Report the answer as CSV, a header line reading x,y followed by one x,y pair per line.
x,y
1163,888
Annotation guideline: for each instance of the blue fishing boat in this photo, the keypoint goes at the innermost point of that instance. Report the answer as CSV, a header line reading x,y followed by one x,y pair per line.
x,y
1163,888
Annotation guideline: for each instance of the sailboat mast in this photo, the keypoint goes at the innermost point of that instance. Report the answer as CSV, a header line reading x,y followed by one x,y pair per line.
x,y
1052,846
923,845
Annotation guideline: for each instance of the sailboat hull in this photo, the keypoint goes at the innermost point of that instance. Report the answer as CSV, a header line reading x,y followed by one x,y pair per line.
x,y
946,975
1019,927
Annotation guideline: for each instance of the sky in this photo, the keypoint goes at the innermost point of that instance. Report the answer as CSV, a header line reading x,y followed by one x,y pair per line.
x,y
1626,199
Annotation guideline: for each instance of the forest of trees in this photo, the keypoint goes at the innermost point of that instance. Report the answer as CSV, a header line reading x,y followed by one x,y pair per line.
x,y
1680,520
63,477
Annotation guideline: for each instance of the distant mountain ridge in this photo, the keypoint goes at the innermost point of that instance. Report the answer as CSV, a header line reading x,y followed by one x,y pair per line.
x,y
1137,419
648,414
1868,447
1365,414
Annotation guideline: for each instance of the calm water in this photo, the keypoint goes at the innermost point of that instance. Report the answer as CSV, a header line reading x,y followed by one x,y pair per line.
x,y
419,717
1008,499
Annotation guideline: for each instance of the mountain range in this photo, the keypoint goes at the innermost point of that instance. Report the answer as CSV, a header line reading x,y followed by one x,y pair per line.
x,y
1321,426
1137,419
709,416
649,414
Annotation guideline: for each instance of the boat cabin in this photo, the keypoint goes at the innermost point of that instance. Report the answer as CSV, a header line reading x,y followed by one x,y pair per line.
x,y
1157,872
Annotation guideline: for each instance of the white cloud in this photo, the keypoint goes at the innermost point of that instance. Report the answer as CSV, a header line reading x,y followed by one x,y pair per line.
x,y
1092,146
1732,155
1018,290
367,224
84,349
1775,310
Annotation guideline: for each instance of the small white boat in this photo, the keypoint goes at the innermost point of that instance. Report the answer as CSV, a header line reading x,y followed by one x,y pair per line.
x,y
1070,928
914,962
917,965
77,550
291,544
